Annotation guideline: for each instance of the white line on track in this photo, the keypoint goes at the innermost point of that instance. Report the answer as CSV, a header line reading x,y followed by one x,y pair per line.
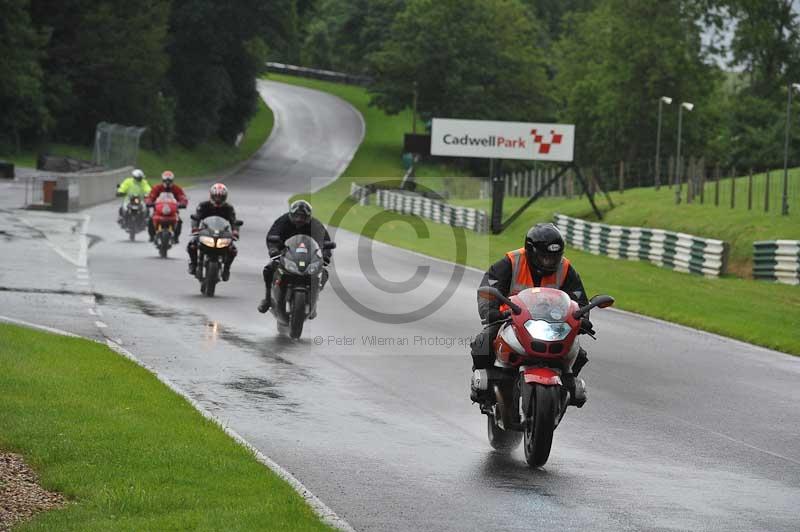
x,y
100,324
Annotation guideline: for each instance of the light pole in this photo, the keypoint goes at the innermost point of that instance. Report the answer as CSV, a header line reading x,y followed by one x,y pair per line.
x,y
688,106
785,204
667,100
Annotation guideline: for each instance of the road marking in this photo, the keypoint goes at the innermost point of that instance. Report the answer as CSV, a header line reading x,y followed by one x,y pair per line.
x,y
89,300
100,324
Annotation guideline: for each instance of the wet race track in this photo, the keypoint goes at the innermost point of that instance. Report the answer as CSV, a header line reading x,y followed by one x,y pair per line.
x,y
683,430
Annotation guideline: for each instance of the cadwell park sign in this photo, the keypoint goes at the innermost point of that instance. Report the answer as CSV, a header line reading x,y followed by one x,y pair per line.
x,y
502,140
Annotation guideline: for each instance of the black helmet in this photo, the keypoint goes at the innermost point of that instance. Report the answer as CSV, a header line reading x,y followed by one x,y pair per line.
x,y
300,212
544,247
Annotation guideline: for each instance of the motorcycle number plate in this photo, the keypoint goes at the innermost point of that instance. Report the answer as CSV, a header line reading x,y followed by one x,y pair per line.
x,y
301,250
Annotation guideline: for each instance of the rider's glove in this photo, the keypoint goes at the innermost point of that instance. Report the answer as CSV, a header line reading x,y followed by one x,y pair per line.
x,y
586,326
493,315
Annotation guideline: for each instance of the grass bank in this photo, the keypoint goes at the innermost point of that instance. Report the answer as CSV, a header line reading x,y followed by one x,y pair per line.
x,y
758,312
647,207
125,450
204,160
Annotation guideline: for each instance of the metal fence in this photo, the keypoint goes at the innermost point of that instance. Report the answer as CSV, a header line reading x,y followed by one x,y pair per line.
x,y
116,146
702,182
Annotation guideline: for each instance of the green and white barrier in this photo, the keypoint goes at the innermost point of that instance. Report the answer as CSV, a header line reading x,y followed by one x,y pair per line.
x,y
410,203
777,260
676,251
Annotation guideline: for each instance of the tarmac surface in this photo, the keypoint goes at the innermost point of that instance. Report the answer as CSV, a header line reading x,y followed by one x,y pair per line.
x,y
683,430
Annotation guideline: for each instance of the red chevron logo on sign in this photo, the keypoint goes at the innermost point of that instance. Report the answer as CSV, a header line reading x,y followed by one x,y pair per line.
x,y
544,147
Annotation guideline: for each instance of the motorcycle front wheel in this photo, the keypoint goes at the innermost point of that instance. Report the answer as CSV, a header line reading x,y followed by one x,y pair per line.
x,y
212,276
163,245
298,315
540,424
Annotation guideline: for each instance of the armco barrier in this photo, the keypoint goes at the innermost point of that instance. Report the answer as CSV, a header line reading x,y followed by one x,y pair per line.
x,y
777,260
315,73
676,251
410,203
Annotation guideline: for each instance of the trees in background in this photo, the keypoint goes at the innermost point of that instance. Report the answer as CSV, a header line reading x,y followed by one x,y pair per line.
x,y
186,69
613,64
24,113
466,58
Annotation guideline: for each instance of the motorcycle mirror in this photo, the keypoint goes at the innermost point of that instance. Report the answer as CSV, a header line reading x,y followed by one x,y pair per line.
x,y
194,217
493,294
329,245
601,301
238,223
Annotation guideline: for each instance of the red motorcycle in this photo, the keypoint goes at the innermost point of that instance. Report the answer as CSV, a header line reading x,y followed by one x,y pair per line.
x,y
535,345
165,222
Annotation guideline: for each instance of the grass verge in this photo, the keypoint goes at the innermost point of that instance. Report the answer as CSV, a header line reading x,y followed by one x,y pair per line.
x,y
188,164
757,312
129,453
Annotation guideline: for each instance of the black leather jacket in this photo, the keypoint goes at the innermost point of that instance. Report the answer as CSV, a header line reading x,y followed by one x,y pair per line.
x,y
284,228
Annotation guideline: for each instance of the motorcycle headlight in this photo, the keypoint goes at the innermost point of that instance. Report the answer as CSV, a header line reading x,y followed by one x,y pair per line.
x,y
223,242
290,265
549,332
166,210
207,241
312,268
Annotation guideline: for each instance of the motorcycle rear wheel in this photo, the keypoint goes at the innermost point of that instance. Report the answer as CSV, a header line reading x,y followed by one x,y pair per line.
x,y
298,315
499,439
540,424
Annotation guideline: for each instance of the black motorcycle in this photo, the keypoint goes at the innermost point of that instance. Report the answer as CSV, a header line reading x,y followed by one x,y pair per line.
x,y
214,240
134,217
296,285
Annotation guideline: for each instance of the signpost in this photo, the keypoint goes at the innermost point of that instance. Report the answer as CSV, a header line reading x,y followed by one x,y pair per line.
x,y
491,140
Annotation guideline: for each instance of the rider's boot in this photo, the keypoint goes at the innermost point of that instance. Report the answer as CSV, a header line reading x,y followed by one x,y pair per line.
x,y
226,271
265,303
576,387
192,268
479,386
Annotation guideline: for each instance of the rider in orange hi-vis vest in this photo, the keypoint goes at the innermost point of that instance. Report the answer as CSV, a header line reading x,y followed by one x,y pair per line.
x,y
540,263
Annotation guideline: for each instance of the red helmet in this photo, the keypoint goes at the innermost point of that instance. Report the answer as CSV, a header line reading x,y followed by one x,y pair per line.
x,y
218,193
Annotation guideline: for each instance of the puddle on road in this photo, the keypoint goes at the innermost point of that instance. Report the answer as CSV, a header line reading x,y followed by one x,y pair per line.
x,y
506,472
212,331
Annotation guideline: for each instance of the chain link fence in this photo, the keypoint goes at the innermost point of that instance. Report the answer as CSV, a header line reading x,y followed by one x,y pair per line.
x,y
116,145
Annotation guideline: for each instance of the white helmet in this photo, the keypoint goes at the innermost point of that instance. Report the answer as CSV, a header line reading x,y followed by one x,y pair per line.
x,y
137,174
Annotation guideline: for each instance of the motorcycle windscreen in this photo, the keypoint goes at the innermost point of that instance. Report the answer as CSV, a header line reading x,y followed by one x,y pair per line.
x,y
302,248
216,224
548,304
